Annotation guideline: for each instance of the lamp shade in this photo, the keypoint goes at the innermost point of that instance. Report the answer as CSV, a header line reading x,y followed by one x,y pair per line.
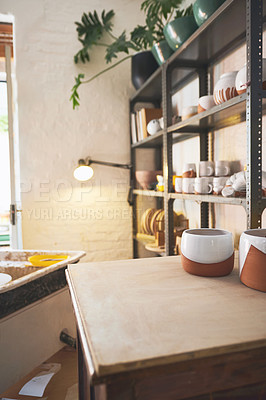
x,y
83,173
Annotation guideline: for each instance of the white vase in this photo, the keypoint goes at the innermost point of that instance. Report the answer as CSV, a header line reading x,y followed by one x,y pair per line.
x,y
242,81
225,88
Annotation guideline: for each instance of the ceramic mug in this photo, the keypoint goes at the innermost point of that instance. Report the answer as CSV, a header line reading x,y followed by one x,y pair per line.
x,y
202,186
222,168
178,184
188,185
189,170
207,252
252,258
219,183
206,168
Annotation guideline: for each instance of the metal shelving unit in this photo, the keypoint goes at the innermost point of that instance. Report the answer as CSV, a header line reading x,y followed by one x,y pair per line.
x,y
209,44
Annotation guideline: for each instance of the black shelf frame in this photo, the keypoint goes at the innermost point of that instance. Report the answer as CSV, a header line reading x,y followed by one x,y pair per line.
x,y
206,46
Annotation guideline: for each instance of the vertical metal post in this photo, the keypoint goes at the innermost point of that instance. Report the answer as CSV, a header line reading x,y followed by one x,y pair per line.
x,y
167,159
203,90
132,186
254,113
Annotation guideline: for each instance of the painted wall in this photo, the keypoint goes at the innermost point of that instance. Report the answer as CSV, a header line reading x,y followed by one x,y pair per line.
x,y
59,212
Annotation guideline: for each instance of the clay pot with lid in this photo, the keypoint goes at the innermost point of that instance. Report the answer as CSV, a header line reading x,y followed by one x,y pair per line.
x,y
225,89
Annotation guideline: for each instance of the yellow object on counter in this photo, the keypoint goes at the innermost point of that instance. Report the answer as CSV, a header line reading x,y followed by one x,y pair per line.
x,y
45,260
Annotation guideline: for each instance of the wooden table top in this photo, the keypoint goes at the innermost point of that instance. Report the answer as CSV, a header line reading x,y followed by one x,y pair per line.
x,y
149,312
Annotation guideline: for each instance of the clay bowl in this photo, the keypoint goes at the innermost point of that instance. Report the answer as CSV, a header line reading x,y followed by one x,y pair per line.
x,y
252,259
205,103
147,179
207,252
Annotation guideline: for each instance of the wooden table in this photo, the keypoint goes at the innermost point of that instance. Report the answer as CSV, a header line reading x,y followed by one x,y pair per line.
x,y
150,331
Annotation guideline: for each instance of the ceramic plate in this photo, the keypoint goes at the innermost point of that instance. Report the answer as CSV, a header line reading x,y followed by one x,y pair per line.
x,y
4,278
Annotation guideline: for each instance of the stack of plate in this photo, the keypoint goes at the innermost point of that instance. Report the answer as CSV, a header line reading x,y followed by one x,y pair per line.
x,y
152,219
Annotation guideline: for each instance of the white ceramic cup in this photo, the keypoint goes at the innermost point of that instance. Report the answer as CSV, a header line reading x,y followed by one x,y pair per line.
x,y
202,185
207,246
239,184
188,185
219,183
178,184
189,170
206,168
222,168
153,126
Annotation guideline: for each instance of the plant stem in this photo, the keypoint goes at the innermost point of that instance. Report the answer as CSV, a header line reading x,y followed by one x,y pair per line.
x,y
112,36
107,69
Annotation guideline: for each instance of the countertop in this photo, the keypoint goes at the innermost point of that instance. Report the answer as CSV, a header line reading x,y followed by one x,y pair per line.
x,y
143,313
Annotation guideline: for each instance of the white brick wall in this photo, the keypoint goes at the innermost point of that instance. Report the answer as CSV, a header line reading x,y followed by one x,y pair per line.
x,y
53,136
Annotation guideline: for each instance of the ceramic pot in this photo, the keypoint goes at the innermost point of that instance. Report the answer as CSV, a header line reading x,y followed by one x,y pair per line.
x,y
225,88
203,9
147,179
178,31
161,51
252,259
205,103
143,65
241,78
188,112
207,252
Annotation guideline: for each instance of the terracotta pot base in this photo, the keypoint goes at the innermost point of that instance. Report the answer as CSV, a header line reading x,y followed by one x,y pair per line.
x,y
253,273
209,270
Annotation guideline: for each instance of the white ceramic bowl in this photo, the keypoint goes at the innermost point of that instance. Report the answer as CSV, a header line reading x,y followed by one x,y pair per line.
x,y
252,258
207,252
205,103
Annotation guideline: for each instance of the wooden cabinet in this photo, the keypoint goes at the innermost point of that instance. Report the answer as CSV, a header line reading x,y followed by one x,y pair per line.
x,y
235,22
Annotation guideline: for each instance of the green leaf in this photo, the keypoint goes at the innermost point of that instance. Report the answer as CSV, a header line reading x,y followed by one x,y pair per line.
x,y
91,30
75,96
120,45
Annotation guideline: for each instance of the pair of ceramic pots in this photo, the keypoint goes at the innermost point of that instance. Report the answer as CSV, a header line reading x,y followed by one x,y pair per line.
x,y
210,252
180,29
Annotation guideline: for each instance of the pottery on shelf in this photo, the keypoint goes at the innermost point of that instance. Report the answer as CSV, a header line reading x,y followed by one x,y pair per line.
x,y
147,179
161,51
225,89
143,65
241,82
178,31
207,252
203,9
188,112
252,259
205,103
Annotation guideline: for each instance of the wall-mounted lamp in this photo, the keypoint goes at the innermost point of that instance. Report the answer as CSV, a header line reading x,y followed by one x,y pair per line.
x,y
84,171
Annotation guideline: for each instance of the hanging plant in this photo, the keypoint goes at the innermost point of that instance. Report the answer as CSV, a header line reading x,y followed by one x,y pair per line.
x,y
94,29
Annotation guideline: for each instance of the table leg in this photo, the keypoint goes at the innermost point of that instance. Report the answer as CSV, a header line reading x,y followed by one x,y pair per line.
x,y
86,391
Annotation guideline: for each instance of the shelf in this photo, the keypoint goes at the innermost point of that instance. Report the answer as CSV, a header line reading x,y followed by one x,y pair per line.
x,y
151,141
148,193
209,43
209,199
228,113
